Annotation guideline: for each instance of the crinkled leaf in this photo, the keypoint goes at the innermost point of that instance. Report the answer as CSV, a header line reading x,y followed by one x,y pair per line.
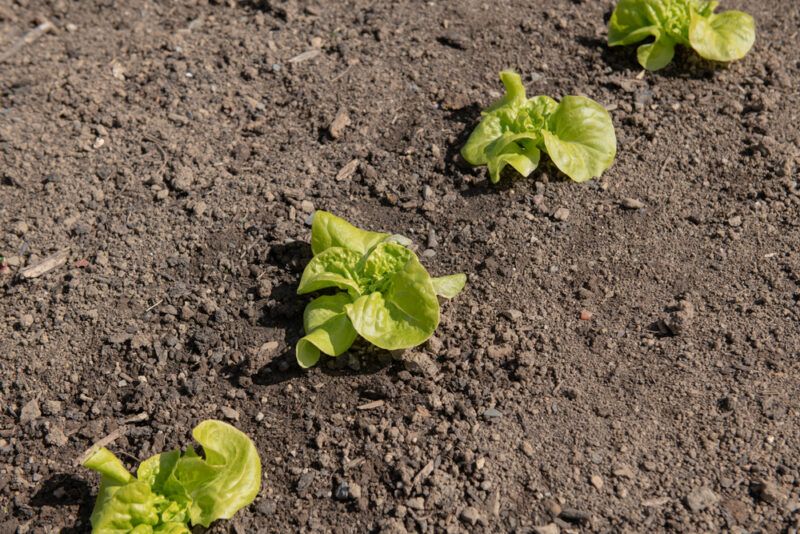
x,y
334,267
381,262
449,286
658,54
581,140
521,154
328,329
724,37
124,508
121,505
173,490
404,314
229,477
328,231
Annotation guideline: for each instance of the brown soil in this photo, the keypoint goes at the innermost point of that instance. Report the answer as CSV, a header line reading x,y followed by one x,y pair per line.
x,y
178,150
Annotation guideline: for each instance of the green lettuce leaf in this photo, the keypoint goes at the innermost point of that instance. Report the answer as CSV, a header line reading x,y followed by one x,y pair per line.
x,y
517,150
515,91
724,37
334,267
171,491
580,138
227,480
328,329
403,314
328,230
449,286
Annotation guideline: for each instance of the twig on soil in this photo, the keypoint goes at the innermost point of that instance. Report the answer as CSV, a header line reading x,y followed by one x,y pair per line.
x,y
46,265
153,306
371,405
339,76
347,171
663,167
635,142
29,38
138,418
163,154
423,474
308,54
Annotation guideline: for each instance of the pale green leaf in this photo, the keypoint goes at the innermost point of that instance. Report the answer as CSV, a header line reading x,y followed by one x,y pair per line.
x,y
328,231
334,267
724,37
382,261
227,480
108,465
635,20
522,155
449,286
488,130
307,353
580,139
656,55
515,91
328,329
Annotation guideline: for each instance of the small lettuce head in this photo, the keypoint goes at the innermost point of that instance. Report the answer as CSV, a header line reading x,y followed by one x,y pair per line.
x,y
577,134
386,295
726,36
172,490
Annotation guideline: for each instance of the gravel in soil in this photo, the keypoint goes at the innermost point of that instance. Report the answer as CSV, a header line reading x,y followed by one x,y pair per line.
x,y
625,356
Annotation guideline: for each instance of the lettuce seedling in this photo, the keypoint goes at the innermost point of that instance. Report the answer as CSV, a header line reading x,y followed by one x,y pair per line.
x,y
387,297
726,36
577,134
172,490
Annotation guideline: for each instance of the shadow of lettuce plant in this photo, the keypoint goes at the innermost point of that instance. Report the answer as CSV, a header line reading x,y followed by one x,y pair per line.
x,y
577,134
725,36
172,490
387,297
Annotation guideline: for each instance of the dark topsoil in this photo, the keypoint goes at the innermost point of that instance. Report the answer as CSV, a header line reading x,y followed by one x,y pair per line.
x,y
178,150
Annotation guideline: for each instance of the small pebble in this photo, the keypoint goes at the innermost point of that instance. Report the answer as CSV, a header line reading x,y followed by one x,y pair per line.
x,y
632,204
230,413
561,214
470,515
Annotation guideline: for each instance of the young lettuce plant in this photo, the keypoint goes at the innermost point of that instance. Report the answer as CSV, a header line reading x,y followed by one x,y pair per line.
x,y
387,297
577,134
726,36
172,490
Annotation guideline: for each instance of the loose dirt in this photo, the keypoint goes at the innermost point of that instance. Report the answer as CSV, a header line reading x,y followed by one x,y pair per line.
x,y
625,355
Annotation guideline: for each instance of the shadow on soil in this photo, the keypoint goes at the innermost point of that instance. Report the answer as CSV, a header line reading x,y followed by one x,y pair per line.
x,y
284,312
65,490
